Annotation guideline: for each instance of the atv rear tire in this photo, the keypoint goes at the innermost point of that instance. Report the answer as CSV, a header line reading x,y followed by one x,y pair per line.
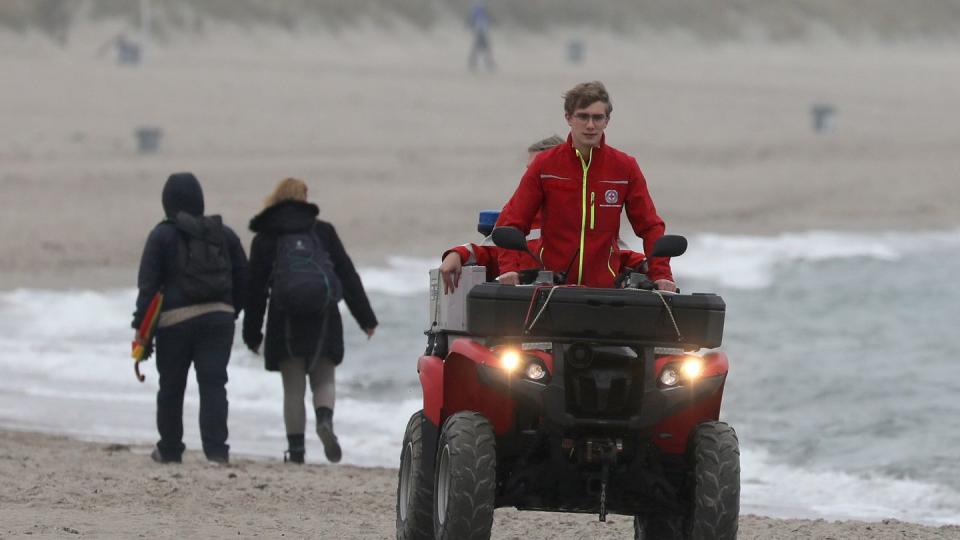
x,y
465,478
414,487
713,495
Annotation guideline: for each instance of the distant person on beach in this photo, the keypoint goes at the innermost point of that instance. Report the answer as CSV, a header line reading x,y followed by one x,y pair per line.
x,y
581,188
299,267
200,267
479,23
126,49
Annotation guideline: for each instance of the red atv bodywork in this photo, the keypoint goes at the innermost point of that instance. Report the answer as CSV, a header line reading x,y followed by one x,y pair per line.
x,y
454,385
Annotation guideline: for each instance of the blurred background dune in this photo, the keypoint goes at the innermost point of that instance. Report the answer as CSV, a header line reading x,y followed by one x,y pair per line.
x,y
777,20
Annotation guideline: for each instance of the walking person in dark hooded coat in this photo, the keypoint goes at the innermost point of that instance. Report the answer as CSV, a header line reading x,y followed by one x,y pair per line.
x,y
196,323
301,345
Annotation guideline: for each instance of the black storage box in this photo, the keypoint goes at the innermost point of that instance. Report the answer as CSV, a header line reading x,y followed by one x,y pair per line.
x,y
603,314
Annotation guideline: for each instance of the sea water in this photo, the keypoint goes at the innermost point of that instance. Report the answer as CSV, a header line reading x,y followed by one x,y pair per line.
x,y
844,384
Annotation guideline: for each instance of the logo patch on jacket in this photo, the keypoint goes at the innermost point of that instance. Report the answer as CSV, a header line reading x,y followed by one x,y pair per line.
x,y
611,196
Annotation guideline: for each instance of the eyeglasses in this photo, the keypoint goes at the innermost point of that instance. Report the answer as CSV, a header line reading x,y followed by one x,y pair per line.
x,y
583,118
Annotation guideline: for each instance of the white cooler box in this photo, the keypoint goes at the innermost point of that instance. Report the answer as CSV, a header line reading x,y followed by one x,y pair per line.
x,y
448,312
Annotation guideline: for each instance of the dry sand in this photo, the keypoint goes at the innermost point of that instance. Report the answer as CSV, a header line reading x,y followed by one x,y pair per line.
x,y
401,147
56,487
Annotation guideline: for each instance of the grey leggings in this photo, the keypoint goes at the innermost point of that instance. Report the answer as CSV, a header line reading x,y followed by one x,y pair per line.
x,y
294,373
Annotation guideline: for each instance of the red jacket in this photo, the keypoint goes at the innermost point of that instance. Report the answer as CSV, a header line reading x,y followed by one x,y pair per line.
x,y
581,200
479,255
485,255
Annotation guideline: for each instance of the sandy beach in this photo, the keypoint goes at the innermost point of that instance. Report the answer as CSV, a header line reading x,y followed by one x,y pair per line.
x,y
60,488
401,146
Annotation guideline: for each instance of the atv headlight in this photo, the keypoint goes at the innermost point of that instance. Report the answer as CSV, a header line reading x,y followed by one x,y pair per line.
x,y
684,371
510,359
669,376
535,371
692,367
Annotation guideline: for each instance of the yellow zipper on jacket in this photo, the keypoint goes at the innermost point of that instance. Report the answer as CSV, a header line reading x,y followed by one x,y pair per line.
x,y
593,195
609,266
583,213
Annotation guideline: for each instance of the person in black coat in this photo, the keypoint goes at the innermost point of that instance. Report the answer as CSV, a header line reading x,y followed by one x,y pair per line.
x,y
301,346
190,330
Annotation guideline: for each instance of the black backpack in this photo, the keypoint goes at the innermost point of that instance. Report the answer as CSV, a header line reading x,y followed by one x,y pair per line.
x,y
204,268
303,281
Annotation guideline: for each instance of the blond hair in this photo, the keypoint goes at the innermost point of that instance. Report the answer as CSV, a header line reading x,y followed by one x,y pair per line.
x,y
586,94
288,189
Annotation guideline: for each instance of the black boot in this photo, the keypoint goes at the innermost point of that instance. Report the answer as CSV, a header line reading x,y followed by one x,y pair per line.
x,y
331,447
158,456
296,450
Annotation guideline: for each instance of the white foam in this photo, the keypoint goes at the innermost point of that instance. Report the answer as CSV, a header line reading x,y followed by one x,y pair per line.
x,y
403,276
779,490
44,316
750,262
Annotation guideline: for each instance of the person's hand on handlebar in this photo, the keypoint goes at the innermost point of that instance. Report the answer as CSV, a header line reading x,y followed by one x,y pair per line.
x,y
509,278
666,285
450,270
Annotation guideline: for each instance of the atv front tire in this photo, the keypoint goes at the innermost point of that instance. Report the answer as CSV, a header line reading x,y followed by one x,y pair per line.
x,y
658,527
414,487
465,478
715,453
713,493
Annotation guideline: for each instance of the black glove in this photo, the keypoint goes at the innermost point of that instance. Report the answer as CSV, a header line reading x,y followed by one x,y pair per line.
x,y
528,275
623,277
147,351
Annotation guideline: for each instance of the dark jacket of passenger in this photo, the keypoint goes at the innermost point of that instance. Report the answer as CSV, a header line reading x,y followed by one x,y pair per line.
x,y
308,335
158,264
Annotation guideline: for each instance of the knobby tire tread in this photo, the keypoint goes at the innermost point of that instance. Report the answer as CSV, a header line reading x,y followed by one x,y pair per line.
x,y
419,522
473,464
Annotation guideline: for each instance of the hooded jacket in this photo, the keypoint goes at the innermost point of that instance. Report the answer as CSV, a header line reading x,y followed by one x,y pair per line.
x,y
310,337
582,198
158,264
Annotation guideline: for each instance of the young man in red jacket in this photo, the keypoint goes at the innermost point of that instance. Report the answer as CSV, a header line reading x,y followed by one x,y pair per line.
x,y
580,188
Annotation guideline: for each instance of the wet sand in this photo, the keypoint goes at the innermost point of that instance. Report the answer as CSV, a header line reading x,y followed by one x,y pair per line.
x,y
57,487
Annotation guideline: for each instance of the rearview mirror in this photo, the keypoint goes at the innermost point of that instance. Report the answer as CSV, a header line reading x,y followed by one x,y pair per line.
x,y
509,238
668,245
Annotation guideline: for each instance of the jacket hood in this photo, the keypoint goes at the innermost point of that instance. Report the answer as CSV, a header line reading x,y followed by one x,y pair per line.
x,y
182,193
285,216
207,228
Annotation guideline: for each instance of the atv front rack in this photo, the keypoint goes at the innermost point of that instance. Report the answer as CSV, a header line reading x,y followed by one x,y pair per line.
x,y
615,316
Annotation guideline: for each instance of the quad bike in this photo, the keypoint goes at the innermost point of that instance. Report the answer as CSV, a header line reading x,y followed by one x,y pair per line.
x,y
573,399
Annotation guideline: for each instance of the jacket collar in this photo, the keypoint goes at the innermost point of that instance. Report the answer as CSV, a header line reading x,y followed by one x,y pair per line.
x,y
597,148
285,216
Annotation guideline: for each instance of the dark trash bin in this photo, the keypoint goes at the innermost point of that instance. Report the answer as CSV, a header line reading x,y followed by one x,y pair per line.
x,y
148,139
576,51
822,115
